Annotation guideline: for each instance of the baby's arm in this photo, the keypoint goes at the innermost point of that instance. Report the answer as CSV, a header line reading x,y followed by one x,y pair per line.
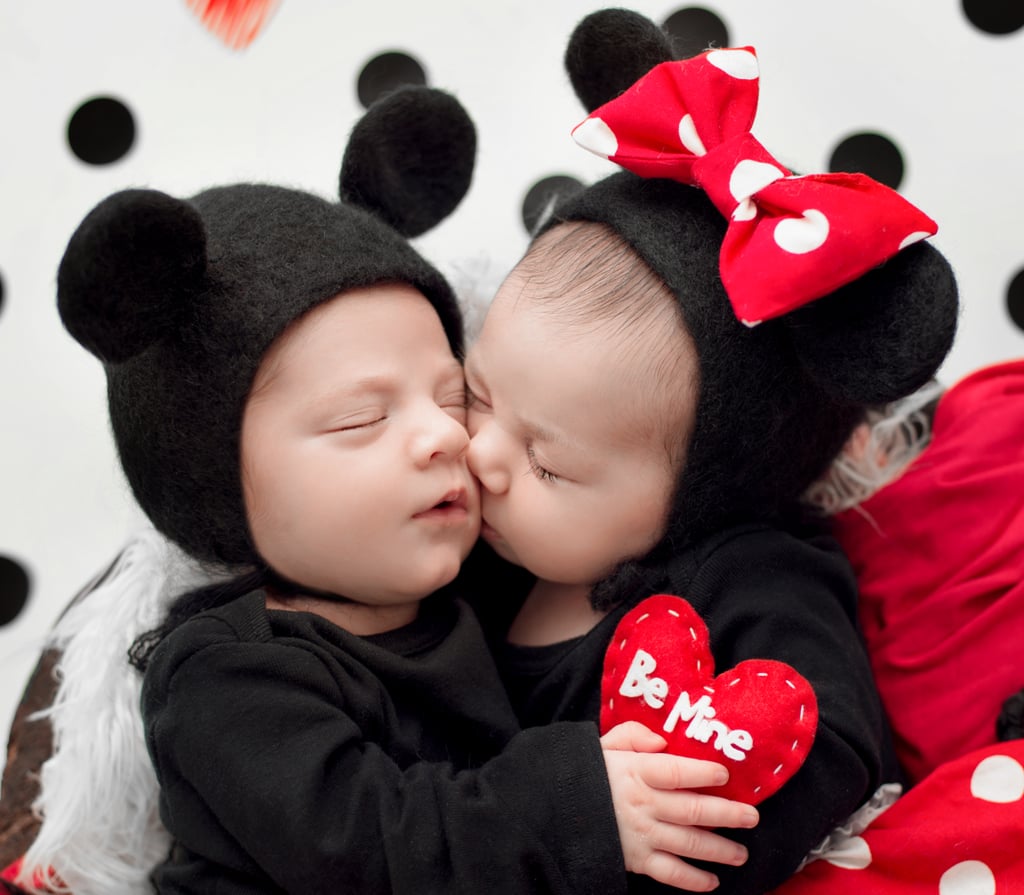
x,y
769,595
262,770
659,820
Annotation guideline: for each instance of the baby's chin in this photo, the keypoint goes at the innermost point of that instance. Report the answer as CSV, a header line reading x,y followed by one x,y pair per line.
x,y
444,571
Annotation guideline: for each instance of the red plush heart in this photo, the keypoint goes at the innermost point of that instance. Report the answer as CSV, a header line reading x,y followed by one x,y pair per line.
x,y
758,719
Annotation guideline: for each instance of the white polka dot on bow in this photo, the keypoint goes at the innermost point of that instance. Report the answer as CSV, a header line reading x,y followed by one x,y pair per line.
x,y
741,64
747,178
689,137
916,236
595,136
804,234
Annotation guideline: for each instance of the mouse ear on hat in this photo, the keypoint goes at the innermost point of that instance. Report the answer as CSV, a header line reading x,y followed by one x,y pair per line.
x,y
609,51
129,270
410,159
884,335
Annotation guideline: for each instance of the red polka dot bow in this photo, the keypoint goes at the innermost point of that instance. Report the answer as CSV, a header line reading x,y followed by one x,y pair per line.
x,y
791,239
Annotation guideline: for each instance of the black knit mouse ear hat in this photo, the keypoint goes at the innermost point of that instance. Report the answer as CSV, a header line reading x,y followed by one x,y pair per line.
x,y
777,399
181,299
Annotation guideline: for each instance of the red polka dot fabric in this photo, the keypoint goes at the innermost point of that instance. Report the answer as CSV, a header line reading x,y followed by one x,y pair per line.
x,y
939,557
790,239
958,832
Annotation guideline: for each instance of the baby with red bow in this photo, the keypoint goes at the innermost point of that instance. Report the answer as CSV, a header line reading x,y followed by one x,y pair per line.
x,y
655,386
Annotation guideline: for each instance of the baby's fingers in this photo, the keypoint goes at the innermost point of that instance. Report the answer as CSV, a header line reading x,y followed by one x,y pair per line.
x,y
698,844
664,771
692,809
670,871
634,736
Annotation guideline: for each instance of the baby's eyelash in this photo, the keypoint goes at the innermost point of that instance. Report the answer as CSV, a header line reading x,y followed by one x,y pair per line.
x,y
355,427
545,475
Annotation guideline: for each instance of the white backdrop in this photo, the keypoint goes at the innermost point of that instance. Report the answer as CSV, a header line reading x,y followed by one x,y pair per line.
x,y
945,92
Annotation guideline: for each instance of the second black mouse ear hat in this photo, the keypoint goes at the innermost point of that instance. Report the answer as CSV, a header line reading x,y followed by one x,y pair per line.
x,y
809,297
181,298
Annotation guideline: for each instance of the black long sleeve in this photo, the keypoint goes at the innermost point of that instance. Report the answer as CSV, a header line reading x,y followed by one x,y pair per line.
x,y
765,594
290,762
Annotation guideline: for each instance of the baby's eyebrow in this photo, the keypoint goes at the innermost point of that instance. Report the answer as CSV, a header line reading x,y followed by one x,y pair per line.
x,y
537,432
376,384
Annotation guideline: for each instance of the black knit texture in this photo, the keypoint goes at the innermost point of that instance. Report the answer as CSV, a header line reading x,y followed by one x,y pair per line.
x,y
182,298
777,401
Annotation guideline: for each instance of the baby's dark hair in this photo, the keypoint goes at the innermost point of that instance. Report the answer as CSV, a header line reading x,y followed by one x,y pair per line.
x,y
610,281
612,288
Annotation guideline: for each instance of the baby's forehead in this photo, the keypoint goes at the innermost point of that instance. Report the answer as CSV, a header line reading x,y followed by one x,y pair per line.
x,y
634,374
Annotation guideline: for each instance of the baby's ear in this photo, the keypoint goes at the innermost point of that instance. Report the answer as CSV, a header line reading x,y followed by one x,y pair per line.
x,y
609,51
132,266
410,159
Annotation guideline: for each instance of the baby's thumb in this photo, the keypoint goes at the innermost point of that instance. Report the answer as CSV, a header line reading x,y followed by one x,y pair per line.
x,y
633,736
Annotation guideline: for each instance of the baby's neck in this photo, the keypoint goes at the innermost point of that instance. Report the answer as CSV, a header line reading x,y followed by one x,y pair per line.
x,y
360,619
553,613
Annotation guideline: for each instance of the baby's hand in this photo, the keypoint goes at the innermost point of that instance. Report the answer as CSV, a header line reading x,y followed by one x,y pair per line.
x,y
659,819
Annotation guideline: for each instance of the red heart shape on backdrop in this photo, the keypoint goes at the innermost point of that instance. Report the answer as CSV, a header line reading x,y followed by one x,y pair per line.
x,y
758,719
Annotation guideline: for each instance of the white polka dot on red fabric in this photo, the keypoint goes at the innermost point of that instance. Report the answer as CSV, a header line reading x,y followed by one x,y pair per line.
x,y
998,778
968,878
803,234
596,137
741,64
689,137
746,179
853,854
916,236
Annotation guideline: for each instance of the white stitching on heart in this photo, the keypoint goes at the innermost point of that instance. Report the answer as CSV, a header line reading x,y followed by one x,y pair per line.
x,y
711,690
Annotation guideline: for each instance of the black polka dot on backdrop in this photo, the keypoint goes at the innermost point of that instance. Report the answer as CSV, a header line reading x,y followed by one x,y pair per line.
x,y
101,131
543,194
385,72
872,154
14,588
995,16
1,293
693,29
1015,299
